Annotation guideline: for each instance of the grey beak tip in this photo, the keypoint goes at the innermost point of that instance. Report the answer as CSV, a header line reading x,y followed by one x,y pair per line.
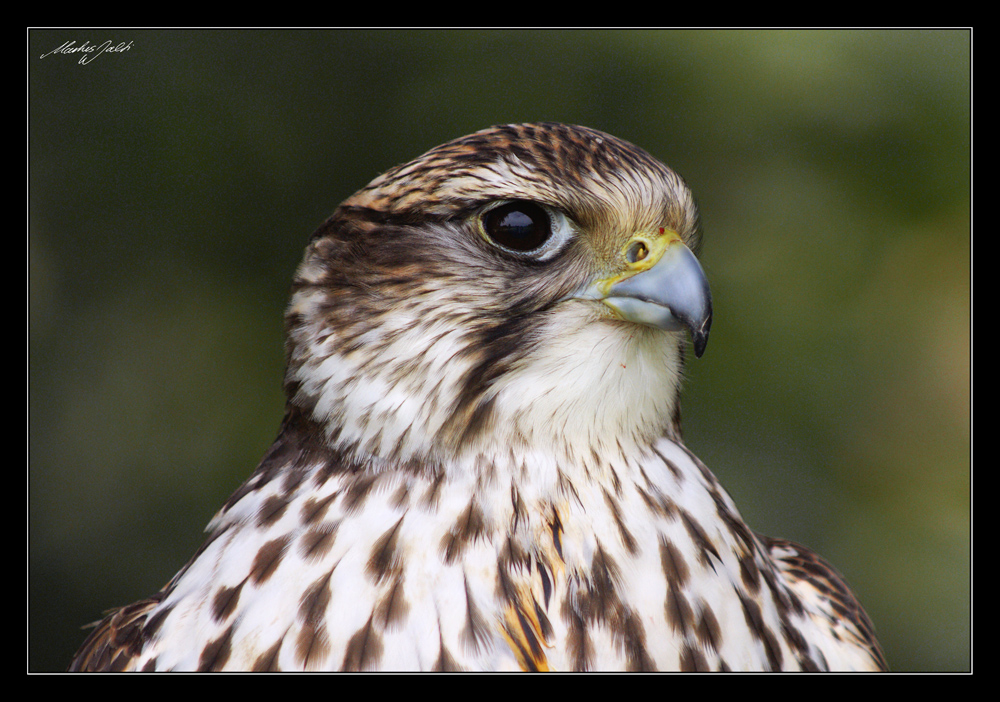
x,y
700,336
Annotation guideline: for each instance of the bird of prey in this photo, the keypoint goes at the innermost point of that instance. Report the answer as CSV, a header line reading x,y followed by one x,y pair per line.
x,y
480,465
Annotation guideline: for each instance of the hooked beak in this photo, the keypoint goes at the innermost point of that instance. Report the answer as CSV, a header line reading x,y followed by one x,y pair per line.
x,y
662,286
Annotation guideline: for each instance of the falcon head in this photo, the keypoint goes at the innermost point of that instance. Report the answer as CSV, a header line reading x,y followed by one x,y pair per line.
x,y
527,286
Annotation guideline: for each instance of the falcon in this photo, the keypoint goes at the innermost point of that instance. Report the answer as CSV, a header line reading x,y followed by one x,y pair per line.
x,y
480,465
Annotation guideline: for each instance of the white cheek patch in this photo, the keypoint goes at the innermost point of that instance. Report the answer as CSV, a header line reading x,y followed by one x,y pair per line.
x,y
593,383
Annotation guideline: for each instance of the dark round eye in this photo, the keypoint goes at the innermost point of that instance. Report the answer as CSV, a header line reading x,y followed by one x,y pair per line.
x,y
518,226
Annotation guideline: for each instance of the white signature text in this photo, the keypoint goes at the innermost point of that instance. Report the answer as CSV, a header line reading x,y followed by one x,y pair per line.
x,y
89,51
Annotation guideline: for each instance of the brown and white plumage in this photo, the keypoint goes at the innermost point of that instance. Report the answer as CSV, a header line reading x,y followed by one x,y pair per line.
x,y
481,465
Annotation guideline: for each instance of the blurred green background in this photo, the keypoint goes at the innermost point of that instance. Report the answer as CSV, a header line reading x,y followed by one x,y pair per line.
x,y
172,189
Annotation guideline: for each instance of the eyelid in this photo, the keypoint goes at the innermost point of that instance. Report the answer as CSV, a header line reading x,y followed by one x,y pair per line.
x,y
562,232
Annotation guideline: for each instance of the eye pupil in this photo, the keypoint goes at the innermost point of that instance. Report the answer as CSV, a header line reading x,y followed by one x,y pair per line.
x,y
519,226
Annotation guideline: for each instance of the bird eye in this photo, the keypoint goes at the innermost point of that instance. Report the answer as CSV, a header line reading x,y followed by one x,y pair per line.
x,y
519,226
